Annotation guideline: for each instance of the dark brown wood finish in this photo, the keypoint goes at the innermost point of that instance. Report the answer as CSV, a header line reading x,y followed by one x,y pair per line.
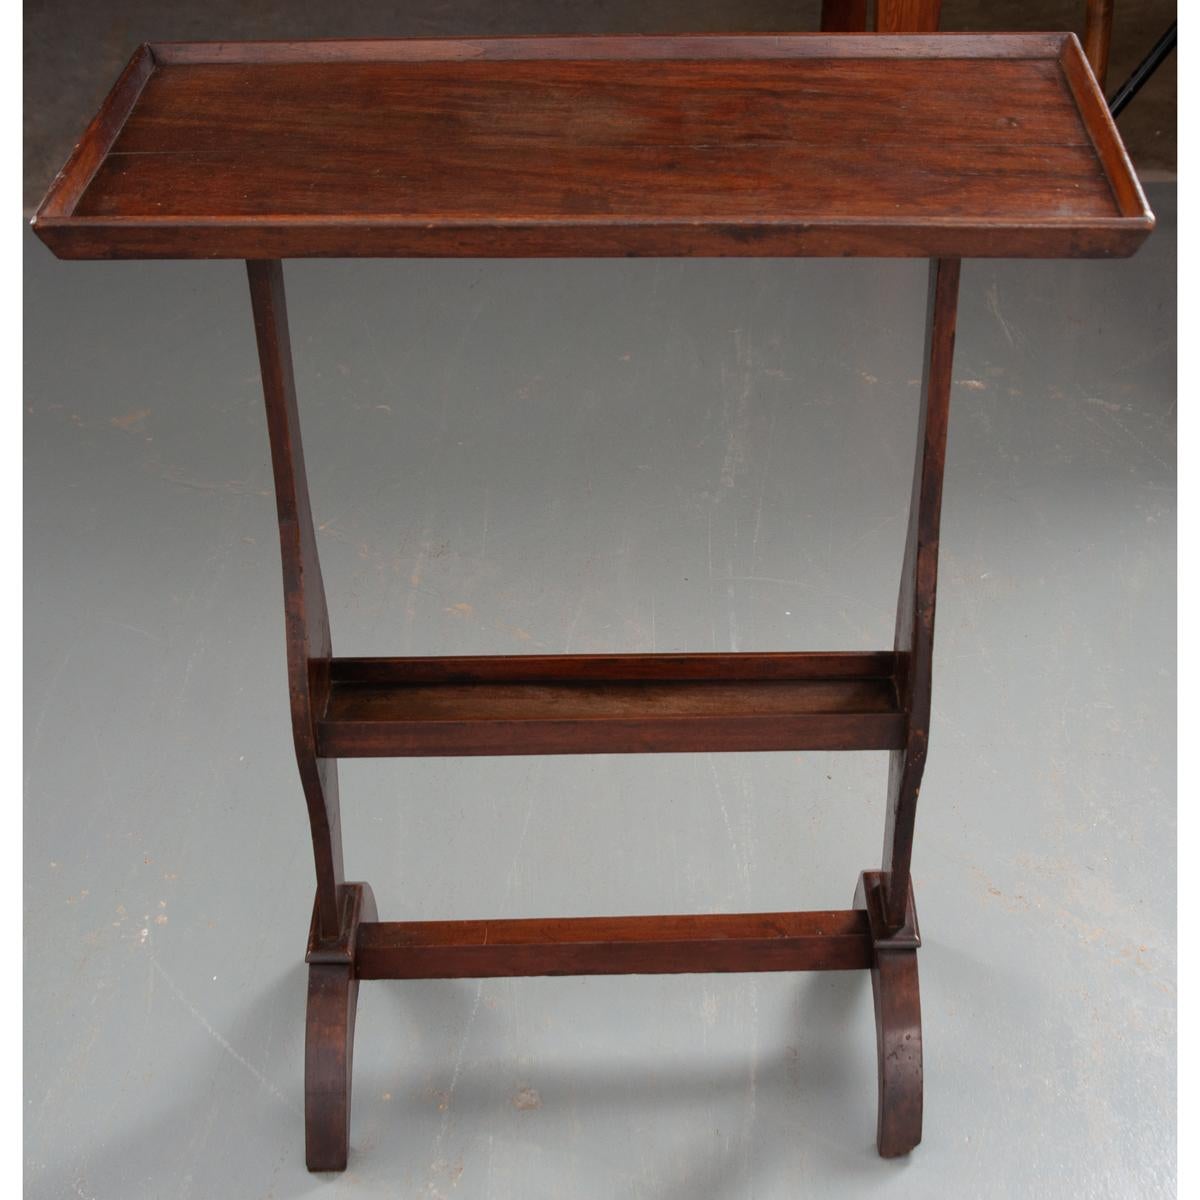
x,y
897,993
329,1031
1102,129
306,616
918,585
843,16
79,170
743,145
907,16
924,16
951,145
805,941
746,667
1097,37
586,704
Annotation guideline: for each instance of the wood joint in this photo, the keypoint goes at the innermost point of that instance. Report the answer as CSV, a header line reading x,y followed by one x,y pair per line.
x,y
341,949
907,936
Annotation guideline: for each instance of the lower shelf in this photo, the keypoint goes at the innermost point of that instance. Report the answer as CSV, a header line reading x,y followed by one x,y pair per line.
x,y
622,704
804,941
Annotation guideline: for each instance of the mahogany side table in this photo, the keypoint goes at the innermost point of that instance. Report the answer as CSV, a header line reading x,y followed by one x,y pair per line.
x,y
940,147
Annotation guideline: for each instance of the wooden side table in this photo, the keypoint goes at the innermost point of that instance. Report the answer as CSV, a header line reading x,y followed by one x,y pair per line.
x,y
940,147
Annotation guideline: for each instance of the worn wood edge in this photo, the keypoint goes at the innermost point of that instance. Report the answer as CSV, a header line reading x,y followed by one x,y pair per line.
x,y
828,940
1102,129
791,224
617,46
101,133
531,668
384,237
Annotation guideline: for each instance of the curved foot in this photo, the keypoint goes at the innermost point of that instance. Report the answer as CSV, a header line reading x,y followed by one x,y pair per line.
x,y
897,994
898,1039
329,1038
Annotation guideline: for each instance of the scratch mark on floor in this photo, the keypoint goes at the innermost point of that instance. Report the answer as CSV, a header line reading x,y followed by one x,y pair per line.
x,y
223,1041
131,420
1125,430
751,1085
51,688
762,492
487,506
233,487
1012,334
584,584
514,874
454,1076
134,629
410,601
739,857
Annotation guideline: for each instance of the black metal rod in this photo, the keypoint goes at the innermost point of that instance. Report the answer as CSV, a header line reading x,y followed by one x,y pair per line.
x,y
1143,71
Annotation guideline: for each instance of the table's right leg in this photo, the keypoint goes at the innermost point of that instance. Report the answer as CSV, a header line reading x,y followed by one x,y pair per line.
x,y
918,588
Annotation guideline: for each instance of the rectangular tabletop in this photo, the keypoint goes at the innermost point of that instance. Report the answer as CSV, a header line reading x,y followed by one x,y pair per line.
x,y
949,145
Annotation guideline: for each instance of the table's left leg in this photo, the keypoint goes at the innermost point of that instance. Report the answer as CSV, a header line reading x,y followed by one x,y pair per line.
x,y
305,611
332,985
329,1035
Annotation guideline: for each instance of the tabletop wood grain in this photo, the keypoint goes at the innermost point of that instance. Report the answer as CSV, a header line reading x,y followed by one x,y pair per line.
x,y
950,145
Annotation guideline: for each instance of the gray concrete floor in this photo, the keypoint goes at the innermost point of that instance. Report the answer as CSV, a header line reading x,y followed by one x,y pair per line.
x,y
573,456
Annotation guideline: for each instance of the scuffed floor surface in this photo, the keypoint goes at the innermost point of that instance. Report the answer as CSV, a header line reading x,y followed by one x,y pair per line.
x,y
575,456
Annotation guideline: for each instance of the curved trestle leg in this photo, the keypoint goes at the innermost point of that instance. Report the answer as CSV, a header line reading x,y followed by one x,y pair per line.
x,y
329,1038
897,1026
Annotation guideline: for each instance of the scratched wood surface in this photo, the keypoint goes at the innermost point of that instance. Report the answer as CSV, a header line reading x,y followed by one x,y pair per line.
x,y
959,145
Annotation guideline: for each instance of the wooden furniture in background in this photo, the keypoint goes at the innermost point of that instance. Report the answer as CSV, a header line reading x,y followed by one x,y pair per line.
x,y
887,16
1097,37
938,147
843,16
924,16
907,16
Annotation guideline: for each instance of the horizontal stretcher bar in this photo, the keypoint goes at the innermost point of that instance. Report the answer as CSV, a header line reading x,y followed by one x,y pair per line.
x,y
665,945
622,703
